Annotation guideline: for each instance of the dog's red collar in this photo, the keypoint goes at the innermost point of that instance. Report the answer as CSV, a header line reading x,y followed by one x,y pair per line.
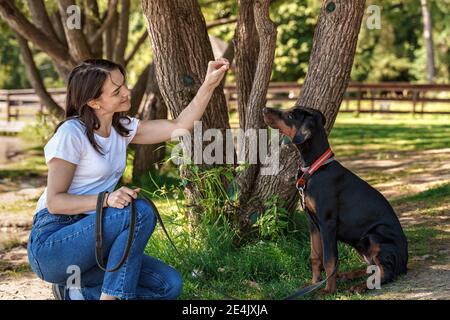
x,y
304,174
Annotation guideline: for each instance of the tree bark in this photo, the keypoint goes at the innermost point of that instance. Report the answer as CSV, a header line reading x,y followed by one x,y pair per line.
x,y
246,53
180,72
36,80
428,40
40,18
92,24
56,21
180,24
253,22
147,157
78,45
331,60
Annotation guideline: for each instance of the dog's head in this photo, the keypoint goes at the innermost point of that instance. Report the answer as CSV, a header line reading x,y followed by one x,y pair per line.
x,y
298,123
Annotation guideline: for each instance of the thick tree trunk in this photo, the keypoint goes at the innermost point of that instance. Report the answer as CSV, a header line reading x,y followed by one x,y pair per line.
x,y
180,72
182,50
330,64
428,40
332,55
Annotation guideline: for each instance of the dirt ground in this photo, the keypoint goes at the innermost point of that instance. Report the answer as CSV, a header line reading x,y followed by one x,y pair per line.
x,y
428,277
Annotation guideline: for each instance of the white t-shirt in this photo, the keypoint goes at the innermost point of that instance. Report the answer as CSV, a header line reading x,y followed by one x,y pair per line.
x,y
94,173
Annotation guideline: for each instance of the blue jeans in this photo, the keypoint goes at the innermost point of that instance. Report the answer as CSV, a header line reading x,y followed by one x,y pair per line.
x,y
59,241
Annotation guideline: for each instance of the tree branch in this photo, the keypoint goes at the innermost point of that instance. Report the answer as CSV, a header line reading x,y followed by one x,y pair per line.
x,y
122,32
20,24
78,45
56,21
112,6
35,78
220,22
40,18
136,48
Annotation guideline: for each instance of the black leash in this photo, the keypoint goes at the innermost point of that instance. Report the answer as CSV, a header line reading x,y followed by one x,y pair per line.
x,y
158,216
99,235
99,248
300,292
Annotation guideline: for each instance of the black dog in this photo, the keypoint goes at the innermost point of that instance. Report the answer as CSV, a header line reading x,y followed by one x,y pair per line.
x,y
340,205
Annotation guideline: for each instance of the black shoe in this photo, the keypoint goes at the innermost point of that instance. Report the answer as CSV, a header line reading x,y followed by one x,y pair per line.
x,y
60,292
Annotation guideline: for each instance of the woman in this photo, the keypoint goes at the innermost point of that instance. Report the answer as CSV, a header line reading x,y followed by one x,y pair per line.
x,y
87,155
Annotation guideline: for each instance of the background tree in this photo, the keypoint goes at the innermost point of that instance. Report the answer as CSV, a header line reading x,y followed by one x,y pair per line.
x,y
428,39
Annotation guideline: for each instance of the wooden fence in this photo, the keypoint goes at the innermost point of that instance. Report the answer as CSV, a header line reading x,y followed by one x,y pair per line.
x,y
13,101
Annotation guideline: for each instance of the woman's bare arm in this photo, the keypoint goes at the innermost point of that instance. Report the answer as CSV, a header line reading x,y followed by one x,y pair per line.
x,y
60,176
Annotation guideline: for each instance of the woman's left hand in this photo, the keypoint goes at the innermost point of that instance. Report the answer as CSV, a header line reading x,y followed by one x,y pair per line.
x,y
216,71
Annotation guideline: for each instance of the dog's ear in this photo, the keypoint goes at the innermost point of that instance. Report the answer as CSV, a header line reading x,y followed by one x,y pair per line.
x,y
315,113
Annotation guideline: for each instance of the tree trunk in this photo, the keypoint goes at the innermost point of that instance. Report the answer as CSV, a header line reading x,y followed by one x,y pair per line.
x,y
332,55
428,40
330,63
182,50
147,157
256,38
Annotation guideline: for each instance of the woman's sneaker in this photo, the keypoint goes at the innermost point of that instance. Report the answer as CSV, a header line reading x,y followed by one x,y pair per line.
x,y
60,292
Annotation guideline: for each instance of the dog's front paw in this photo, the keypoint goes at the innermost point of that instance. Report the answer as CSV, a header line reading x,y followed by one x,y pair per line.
x,y
328,290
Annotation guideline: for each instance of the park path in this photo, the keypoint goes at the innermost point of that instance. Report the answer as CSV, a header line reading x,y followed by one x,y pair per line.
x,y
428,277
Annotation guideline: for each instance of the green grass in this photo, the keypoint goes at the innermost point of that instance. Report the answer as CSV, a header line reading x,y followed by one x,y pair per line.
x,y
353,136
260,270
274,269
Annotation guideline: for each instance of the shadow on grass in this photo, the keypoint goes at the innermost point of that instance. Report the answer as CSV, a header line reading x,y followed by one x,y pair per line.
x,y
441,192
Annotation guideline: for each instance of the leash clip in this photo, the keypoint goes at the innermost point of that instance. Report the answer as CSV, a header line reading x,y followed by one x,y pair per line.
x,y
301,191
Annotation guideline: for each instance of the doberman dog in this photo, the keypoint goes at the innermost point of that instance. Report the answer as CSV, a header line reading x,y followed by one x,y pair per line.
x,y
340,205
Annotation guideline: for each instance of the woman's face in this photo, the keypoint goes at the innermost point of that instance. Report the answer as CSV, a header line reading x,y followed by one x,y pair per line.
x,y
115,95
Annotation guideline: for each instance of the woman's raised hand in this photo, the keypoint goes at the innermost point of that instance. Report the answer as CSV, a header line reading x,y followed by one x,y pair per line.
x,y
216,71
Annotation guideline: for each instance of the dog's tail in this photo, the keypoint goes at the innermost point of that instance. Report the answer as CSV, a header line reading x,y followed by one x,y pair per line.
x,y
392,254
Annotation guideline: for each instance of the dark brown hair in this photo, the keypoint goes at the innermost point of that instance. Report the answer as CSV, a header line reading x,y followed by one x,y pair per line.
x,y
85,83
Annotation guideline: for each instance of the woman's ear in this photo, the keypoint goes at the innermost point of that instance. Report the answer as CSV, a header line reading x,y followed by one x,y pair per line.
x,y
93,104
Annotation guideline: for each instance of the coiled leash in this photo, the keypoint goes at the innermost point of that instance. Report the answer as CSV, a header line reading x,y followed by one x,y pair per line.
x,y
99,234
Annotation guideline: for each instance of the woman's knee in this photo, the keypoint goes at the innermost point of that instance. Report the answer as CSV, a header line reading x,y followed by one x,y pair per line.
x,y
145,213
175,285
